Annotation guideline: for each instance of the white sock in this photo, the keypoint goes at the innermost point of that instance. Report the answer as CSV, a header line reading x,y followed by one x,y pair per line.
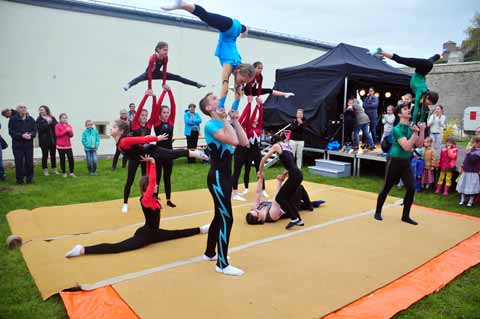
x,y
176,4
204,229
125,208
239,198
214,258
287,95
230,271
76,251
264,193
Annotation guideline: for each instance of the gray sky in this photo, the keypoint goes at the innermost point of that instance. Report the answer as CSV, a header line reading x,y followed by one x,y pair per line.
x,y
408,27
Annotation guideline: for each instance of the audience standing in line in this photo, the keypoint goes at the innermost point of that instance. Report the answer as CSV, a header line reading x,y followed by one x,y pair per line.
x,y
371,108
91,142
2,147
47,138
131,111
192,129
436,123
64,132
124,118
23,130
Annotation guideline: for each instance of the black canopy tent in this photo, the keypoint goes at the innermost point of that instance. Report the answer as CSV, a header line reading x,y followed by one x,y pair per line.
x,y
322,86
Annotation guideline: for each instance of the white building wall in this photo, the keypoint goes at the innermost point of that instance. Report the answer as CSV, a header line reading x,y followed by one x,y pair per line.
x,y
77,63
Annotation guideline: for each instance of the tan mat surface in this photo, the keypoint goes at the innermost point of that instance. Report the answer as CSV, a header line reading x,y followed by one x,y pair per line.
x,y
53,221
53,272
303,276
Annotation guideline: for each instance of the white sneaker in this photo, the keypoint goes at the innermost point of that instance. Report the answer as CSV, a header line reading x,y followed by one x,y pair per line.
x,y
287,95
45,172
75,252
55,171
461,203
239,198
125,208
264,193
204,229
176,4
64,175
72,175
245,192
200,155
214,258
230,271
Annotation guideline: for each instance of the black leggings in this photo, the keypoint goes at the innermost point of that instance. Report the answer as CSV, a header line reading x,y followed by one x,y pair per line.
x,y
220,187
421,66
162,154
132,171
253,154
239,159
69,154
397,168
167,167
217,21
115,159
288,196
49,150
143,236
192,143
158,75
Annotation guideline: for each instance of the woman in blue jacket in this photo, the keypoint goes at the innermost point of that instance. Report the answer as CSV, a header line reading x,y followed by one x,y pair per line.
x,y
192,128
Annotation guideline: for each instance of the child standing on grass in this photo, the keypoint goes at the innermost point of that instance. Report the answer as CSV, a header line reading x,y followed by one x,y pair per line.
x,y
469,181
64,132
417,164
91,142
430,161
447,164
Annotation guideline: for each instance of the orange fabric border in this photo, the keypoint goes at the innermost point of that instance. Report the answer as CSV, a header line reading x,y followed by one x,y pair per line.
x,y
102,303
426,279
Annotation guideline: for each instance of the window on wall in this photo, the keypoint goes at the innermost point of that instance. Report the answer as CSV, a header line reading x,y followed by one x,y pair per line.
x,y
102,129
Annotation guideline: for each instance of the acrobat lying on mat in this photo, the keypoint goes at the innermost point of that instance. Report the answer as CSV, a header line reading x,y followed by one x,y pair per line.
x,y
150,232
423,97
226,51
154,70
271,211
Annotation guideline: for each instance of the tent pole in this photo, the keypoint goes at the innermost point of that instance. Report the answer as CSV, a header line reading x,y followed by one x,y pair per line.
x,y
343,108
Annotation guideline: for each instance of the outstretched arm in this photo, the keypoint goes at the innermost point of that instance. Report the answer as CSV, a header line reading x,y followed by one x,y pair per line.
x,y
135,121
275,149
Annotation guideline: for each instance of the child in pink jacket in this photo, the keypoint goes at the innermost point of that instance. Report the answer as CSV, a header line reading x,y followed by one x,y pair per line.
x,y
447,164
64,133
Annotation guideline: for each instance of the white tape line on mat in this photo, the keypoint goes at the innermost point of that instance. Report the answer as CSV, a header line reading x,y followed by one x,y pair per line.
x,y
205,212
118,279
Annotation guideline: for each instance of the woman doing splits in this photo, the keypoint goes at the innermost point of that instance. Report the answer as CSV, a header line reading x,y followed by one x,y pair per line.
x,y
150,232
418,83
271,211
226,51
254,87
404,139
220,136
154,70
286,195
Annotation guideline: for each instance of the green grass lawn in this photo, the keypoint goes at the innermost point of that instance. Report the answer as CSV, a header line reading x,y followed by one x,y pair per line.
x,y
19,297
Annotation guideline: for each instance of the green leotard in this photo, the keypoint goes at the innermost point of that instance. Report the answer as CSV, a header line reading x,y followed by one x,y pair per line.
x,y
400,131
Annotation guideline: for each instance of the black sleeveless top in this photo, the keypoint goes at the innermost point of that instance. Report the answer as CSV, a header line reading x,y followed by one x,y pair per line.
x,y
165,128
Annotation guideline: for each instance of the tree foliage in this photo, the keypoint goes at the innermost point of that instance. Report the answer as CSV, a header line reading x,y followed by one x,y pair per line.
x,y
472,43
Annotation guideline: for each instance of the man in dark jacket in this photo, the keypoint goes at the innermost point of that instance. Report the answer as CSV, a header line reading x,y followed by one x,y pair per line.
x,y
371,108
23,130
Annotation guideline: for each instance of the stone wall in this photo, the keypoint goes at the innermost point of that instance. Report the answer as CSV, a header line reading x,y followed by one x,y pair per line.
x,y
458,85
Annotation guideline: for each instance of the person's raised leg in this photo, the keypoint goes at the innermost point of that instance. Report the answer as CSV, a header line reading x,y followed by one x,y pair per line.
x,y
227,71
